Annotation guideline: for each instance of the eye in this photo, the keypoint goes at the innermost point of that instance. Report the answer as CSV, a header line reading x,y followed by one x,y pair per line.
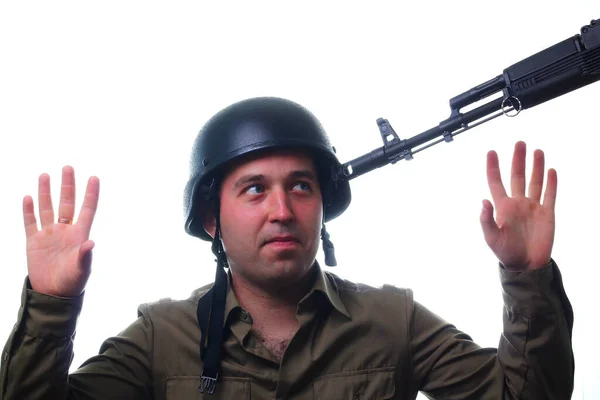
x,y
303,186
254,189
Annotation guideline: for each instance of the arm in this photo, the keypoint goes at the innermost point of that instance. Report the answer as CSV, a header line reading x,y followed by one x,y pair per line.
x,y
40,352
534,359
538,326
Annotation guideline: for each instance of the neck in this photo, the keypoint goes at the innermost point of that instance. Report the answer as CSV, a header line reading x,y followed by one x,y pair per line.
x,y
273,310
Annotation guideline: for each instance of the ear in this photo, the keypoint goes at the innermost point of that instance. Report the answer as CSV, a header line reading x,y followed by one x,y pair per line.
x,y
209,223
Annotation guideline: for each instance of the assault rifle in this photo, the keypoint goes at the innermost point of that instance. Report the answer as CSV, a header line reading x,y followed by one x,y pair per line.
x,y
559,69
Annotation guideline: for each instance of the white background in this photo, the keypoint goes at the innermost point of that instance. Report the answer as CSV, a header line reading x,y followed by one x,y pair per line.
x,y
119,90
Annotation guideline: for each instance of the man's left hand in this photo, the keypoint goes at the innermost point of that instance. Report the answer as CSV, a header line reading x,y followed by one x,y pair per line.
x,y
522,234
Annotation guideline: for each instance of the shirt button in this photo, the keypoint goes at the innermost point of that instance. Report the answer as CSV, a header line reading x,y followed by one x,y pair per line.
x,y
5,356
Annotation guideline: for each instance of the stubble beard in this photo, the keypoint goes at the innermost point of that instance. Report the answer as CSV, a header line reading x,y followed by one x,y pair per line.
x,y
275,277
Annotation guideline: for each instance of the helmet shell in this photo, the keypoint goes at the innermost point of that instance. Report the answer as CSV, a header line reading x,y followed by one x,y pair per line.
x,y
253,125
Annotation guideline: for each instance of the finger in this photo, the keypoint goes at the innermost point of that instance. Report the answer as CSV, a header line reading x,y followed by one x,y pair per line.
x,y
517,173
491,231
66,207
537,176
29,216
493,176
551,186
45,201
90,204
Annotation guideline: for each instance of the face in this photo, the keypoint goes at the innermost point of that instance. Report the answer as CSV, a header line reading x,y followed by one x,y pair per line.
x,y
271,214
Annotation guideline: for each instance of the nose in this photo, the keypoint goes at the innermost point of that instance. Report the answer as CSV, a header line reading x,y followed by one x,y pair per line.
x,y
280,208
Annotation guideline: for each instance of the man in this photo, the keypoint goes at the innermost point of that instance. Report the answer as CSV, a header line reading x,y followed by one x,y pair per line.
x,y
264,180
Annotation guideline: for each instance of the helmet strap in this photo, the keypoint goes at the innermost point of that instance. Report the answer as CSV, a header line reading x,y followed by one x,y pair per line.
x,y
328,247
211,310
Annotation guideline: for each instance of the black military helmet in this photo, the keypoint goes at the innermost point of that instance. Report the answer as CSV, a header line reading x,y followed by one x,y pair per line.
x,y
253,125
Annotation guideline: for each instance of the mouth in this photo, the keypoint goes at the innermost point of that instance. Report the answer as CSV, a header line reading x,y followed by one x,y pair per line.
x,y
282,241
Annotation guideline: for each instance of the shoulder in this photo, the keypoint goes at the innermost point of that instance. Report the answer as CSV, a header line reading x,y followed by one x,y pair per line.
x,y
173,308
351,291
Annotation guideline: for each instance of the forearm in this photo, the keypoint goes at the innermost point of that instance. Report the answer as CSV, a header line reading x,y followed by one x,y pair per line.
x,y
535,351
39,351
533,361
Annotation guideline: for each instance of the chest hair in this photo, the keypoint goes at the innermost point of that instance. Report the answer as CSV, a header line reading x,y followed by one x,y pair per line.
x,y
276,346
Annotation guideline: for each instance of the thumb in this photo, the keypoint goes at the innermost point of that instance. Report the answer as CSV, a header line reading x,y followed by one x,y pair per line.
x,y
85,254
491,231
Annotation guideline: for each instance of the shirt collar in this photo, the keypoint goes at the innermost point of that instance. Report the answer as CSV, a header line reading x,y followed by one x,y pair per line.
x,y
231,301
323,283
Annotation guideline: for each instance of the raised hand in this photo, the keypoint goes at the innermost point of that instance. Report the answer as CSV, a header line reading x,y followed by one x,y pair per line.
x,y
522,234
59,254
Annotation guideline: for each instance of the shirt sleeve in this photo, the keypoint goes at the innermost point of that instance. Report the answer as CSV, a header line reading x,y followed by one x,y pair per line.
x,y
39,352
534,358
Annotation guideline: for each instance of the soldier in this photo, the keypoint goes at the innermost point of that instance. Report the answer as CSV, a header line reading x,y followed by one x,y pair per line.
x,y
274,325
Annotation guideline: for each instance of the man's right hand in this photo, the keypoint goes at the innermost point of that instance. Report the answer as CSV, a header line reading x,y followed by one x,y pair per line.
x,y
59,254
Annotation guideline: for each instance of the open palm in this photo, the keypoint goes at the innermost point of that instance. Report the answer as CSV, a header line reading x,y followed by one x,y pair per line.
x,y
522,234
59,254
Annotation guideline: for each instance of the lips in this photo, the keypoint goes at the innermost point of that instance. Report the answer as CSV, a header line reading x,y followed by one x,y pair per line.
x,y
282,239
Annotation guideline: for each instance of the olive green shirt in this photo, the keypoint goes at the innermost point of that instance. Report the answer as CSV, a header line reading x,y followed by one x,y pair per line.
x,y
354,342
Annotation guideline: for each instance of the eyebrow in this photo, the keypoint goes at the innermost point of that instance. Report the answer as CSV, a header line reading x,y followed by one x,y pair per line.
x,y
252,178
303,173
246,179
